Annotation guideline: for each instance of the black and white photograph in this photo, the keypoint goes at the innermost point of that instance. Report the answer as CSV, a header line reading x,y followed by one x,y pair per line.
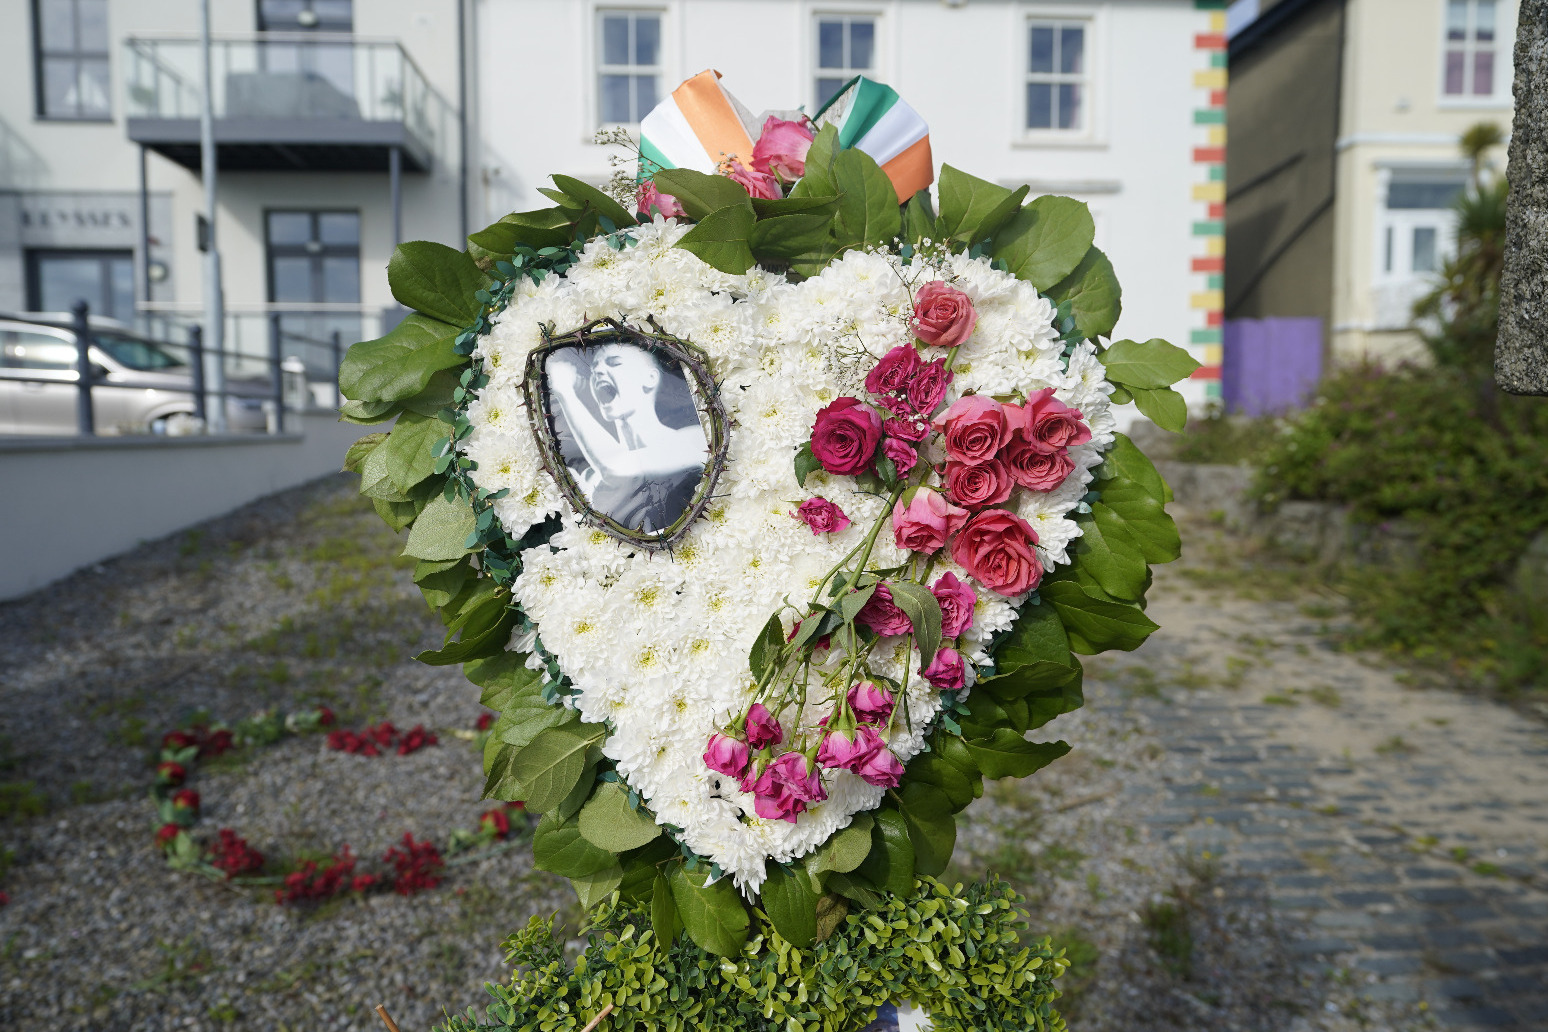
x,y
628,430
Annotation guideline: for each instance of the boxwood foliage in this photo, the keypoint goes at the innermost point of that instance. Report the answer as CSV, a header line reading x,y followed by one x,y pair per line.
x,y
595,830
954,951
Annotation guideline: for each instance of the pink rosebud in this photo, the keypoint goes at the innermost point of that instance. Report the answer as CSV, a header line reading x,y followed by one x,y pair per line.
x,y
925,522
757,184
882,615
781,149
648,199
870,703
762,729
928,388
978,486
943,316
822,516
845,435
1034,466
957,599
946,671
894,371
998,549
907,429
786,787
727,755
883,769
903,455
974,428
848,750
1051,423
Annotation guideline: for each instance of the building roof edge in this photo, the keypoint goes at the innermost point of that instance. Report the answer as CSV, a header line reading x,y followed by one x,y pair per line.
x,y
1261,29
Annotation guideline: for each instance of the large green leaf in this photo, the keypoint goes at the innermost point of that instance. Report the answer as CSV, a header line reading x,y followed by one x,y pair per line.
x,y
924,612
713,915
932,769
595,199
1094,295
546,227
783,237
1096,625
1108,552
664,919
594,888
778,207
1162,406
1128,504
1008,755
357,452
1036,636
932,827
787,898
701,194
375,481
1125,461
440,582
550,767
410,449
868,205
890,864
559,847
504,678
819,180
436,280
845,850
441,531
720,239
607,820
1039,675
972,208
918,218
486,638
400,364
1155,363
1045,241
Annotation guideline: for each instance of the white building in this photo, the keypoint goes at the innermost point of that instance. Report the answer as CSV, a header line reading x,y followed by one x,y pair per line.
x,y
1103,100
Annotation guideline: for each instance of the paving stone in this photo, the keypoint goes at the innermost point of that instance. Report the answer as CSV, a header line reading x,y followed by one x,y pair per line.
x,y
1391,966
1272,863
1457,988
1468,914
1470,961
1388,941
1430,873
1477,1017
1443,894
1297,902
1523,957
1364,899
1302,881
1393,992
1320,946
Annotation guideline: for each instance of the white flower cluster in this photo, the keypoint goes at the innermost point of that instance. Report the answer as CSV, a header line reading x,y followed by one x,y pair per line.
x,y
657,644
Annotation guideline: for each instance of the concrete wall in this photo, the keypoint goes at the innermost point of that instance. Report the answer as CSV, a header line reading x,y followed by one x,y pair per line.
x,y
71,502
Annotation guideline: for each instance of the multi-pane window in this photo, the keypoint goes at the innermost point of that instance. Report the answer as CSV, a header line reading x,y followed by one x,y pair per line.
x,y
1058,91
846,47
71,58
628,65
1472,43
314,256
57,279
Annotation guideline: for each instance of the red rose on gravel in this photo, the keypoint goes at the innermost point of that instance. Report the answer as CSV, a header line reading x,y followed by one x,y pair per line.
x,y
1034,467
894,371
485,722
1051,423
418,865
821,516
928,388
325,717
978,486
167,834
171,774
185,799
415,739
943,316
957,600
177,740
215,743
973,428
495,822
882,615
997,548
845,436
233,855
383,734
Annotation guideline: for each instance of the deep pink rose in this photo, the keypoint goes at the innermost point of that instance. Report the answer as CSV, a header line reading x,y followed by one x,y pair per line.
x,y
943,316
727,755
957,600
781,149
1035,467
903,455
907,429
845,436
894,371
926,522
883,769
762,729
870,703
849,750
649,198
928,387
757,184
946,670
1051,423
996,549
978,486
822,516
882,615
785,788
974,428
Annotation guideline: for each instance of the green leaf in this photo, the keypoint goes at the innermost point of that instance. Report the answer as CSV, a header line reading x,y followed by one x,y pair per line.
x,y
1008,755
720,239
368,413
973,208
595,199
400,364
1162,406
441,531
1045,241
1108,552
594,888
410,449
789,236
396,515
713,915
506,680
1094,295
552,764
663,912
1124,460
766,649
890,864
1096,625
1127,504
700,194
546,227
607,820
1049,701
868,205
918,219
805,463
1155,363
356,455
1035,676
933,769
487,639
558,846
1036,636
819,180
437,281
932,828
844,851
924,612
851,604
787,898
441,584
771,208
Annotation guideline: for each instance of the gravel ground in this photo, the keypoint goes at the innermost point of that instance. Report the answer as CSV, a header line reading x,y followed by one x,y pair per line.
x,y
296,601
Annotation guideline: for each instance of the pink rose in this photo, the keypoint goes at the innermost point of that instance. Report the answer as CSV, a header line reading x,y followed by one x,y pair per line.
x,y
978,486
907,429
974,428
727,755
926,522
996,549
943,316
757,184
946,670
893,372
822,516
903,455
882,769
762,729
1050,422
845,436
648,197
849,750
882,615
957,599
869,703
781,149
929,385
1035,467
785,788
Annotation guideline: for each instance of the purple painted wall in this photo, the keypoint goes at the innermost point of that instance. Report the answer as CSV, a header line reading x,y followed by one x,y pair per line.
x,y
1270,365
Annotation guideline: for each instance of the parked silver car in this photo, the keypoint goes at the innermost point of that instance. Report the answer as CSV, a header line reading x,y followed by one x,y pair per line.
x,y
138,386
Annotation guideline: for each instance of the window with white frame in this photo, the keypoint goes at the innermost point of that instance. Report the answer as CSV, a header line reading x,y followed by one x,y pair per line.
x,y
1058,76
846,47
1416,232
1472,46
628,65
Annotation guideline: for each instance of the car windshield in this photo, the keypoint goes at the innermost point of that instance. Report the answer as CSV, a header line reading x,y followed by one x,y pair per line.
x,y
137,354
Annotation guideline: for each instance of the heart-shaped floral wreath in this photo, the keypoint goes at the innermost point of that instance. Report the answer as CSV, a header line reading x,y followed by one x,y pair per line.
x,y
755,644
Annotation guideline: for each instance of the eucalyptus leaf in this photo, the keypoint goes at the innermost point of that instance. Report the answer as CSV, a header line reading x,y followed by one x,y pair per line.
x,y
1096,625
712,914
607,820
791,905
1162,406
1155,363
1094,295
436,280
441,531
1045,241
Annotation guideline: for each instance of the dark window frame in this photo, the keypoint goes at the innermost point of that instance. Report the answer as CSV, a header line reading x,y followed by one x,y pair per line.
x,y
323,25
34,256
315,254
40,55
